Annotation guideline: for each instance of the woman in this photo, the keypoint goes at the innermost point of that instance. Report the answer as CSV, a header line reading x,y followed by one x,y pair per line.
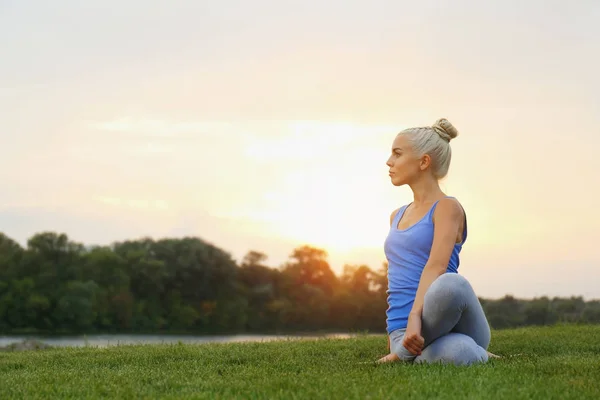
x,y
433,314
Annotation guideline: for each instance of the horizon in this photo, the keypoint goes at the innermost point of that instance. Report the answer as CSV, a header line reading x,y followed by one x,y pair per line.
x,y
337,271
268,131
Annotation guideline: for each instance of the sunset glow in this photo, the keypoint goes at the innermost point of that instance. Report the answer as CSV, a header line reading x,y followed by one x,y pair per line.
x,y
265,135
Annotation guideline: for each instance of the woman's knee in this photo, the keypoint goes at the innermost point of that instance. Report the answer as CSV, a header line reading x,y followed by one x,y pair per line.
x,y
452,280
448,287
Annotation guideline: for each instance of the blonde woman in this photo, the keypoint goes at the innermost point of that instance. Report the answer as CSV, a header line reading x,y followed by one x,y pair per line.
x,y
433,313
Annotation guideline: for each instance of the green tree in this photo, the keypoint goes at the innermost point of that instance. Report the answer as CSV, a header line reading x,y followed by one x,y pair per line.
x,y
310,284
76,308
258,284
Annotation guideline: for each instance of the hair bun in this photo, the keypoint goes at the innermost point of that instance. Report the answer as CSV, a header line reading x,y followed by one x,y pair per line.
x,y
445,129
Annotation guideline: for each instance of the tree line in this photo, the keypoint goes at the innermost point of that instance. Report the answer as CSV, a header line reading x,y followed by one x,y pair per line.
x,y
188,285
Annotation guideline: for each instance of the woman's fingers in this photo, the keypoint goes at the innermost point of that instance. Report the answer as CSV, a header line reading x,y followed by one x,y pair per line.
x,y
420,342
414,344
407,345
414,350
412,347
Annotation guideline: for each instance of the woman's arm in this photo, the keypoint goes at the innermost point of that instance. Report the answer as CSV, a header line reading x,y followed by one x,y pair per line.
x,y
447,217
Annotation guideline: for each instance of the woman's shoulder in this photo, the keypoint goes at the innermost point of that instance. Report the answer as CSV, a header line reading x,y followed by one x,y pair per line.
x,y
395,213
449,207
450,202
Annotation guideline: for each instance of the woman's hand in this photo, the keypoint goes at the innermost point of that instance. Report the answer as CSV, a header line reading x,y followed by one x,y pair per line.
x,y
413,341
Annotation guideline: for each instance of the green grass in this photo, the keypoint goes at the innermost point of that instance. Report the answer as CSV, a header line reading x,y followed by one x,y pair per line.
x,y
561,362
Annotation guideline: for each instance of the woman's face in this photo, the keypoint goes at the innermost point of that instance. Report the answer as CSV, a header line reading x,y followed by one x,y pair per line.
x,y
405,166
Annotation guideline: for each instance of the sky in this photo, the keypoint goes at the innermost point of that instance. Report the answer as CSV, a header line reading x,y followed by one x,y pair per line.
x,y
266,125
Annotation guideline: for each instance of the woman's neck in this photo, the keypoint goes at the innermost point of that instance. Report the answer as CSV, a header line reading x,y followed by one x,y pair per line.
x,y
426,191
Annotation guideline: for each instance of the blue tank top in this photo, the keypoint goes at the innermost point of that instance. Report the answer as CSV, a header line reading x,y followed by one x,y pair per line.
x,y
407,252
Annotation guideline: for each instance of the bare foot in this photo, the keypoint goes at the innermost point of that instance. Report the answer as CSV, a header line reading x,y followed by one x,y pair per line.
x,y
492,355
389,358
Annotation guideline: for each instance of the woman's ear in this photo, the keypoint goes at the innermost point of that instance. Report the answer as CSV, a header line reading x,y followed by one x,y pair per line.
x,y
425,162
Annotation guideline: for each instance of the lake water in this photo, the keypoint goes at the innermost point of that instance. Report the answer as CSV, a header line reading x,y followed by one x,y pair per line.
x,y
115,340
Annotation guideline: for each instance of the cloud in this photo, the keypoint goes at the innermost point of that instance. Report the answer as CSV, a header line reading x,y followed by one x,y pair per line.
x,y
146,204
309,140
161,128
262,141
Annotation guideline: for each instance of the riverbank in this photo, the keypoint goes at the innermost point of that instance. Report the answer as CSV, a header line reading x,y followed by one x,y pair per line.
x,y
105,340
25,345
538,363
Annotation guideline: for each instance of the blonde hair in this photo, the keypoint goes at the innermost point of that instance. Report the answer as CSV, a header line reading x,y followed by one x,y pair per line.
x,y
435,141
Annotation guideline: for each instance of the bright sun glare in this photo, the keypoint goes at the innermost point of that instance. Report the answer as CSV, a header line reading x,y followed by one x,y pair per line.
x,y
332,194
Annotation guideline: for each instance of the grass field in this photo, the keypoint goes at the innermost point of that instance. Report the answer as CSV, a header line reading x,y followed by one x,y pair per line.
x,y
561,362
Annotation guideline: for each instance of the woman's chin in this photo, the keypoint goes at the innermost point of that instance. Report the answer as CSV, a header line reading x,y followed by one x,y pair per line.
x,y
396,182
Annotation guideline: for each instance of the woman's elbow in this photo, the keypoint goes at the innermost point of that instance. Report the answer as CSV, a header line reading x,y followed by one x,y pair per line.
x,y
437,268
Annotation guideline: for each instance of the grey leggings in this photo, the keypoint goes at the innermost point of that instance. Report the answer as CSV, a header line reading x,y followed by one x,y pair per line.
x,y
454,325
